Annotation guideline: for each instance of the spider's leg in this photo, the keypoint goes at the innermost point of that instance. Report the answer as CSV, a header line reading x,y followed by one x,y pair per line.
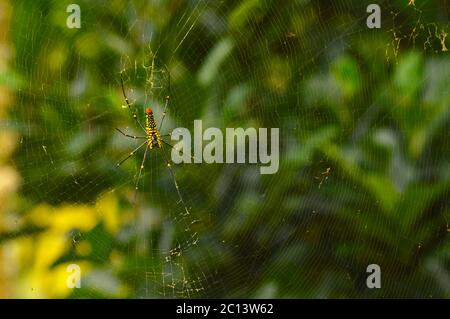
x,y
131,154
172,174
179,151
131,136
133,113
140,173
165,105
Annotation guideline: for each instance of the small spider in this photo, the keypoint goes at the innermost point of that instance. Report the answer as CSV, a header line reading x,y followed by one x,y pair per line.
x,y
152,139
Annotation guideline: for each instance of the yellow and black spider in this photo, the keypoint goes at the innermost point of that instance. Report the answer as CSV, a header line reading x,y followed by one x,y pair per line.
x,y
152,139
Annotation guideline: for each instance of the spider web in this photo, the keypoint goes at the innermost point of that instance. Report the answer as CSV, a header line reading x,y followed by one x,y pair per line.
x,y
147,78
148,81
242,227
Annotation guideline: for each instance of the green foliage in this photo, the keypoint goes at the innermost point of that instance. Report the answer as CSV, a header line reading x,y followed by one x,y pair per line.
x,y
364,143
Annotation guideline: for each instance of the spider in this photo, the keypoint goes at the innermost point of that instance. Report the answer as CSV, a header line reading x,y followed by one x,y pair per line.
x,y
151,140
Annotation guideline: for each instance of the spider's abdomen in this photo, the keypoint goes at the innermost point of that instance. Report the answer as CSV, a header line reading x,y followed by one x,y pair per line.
x,y
153,138
154,142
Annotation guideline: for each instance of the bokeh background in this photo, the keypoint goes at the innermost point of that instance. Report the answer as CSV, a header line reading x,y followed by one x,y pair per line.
x,y
364,174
